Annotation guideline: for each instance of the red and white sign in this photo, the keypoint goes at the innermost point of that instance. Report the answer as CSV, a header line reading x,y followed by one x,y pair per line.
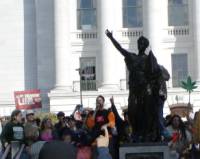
x,y
28,99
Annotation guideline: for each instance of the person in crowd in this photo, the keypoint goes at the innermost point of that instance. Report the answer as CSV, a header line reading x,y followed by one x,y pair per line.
x,y
47,132
123,126
57,150
23,120
167,120
38,122
30,128
197,127
72,123
63,150
102,144
162,96
35,148
123,130
196,135
192,149
4,121
180,136
81,136
90,120
101,117
83,146
13,132
61,123
66,135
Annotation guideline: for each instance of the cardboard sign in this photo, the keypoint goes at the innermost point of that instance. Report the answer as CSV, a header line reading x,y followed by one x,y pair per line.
x,y
28,99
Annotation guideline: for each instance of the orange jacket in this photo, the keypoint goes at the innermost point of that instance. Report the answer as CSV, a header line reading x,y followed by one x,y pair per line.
x,y
90,122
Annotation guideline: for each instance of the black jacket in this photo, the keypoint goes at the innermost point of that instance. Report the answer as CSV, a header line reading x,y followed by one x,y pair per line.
x,y
12,132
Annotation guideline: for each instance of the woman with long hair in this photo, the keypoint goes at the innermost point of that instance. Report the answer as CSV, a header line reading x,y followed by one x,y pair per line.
x,y
13,136
47,133
180,136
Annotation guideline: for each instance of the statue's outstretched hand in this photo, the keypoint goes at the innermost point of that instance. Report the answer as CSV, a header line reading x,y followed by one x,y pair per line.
x,y
108,33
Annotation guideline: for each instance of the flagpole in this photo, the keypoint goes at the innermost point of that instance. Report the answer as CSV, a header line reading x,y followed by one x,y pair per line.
x,y
80,75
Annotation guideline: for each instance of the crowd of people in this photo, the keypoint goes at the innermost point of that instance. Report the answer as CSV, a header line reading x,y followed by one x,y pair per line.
x,y
86,131
89,134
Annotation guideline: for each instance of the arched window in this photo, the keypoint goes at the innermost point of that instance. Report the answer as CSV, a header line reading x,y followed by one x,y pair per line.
x,y
86,11
132,13
178,12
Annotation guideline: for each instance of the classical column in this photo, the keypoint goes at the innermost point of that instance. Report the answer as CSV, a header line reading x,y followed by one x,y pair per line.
x,y
196,24
106,58
152,27
30,45
62,45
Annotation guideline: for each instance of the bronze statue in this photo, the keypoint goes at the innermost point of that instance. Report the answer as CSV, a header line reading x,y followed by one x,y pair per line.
x,y
144,75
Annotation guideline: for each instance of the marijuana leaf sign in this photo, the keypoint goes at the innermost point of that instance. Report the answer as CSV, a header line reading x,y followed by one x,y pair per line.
x,y
189,86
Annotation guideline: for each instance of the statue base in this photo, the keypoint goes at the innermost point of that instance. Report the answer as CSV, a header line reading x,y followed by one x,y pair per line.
x,y
144,151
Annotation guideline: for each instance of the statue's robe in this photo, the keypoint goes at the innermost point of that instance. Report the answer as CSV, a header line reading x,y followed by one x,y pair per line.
x,y
143,94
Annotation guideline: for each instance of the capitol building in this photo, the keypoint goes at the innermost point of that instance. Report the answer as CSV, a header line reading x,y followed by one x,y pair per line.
x,y
60,48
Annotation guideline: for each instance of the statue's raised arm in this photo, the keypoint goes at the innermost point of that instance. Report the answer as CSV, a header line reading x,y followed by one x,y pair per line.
x,y
116,43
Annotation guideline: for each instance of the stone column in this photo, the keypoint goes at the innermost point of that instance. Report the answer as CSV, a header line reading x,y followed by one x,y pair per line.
x,y
152,27
106,58
62,45
196,33
30,45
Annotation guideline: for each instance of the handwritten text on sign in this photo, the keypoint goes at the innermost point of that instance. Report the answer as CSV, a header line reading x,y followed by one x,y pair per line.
x,y
27,99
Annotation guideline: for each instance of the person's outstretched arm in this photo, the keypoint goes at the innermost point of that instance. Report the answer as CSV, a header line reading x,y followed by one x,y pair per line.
x,y
114,110
102,145
116,44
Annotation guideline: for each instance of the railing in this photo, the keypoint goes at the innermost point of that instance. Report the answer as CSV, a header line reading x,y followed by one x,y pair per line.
x,y
177,31
131,33
84,35
86,85
90,35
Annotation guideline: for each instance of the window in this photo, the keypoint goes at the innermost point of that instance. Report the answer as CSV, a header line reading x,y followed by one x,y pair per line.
x,y
179,69
178,12
88,73
86,11
132,13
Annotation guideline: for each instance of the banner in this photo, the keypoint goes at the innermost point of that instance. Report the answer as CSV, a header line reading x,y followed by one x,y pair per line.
x,y
28,99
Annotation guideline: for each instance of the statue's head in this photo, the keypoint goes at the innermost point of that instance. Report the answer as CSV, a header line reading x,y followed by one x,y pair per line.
x,y
143,43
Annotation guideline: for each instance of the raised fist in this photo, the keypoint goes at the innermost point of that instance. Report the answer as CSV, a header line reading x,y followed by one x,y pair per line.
x,y
112,100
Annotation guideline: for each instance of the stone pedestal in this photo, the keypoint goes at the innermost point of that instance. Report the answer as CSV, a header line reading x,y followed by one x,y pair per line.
x,y
144,151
